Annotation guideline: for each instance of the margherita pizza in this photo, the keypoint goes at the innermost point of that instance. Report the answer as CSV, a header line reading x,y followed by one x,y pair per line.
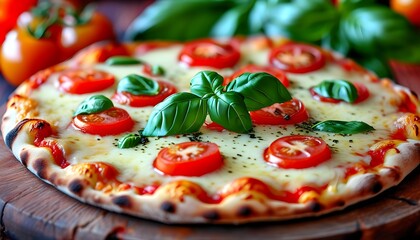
x,y
214,131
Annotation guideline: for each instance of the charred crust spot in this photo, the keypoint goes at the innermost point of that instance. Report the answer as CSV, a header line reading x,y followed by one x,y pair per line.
x,y
244,211
11,136
315,206
24,156
211,215
168,207
376,187
122,201
6,119
340,203
53,178
40,167
395,174
76,186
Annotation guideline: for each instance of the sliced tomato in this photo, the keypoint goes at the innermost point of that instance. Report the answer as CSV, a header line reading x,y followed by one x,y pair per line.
x,y
189,159
165,90
297,151
109,122
297,58
214,126
56,152
280,75
80,81
209,53
143,48
362,92
349,65
290,112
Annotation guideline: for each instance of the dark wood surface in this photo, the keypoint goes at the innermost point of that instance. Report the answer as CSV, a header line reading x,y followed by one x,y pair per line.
x,y
32,209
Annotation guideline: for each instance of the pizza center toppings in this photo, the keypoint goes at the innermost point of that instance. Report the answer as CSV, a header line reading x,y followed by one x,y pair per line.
x,y
294,148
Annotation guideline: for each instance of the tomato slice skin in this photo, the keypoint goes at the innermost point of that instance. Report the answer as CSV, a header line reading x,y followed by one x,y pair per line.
x,y
251,68
362,91
56,152
209,53
198,158
290,112
166,89
109,122
297,151
81,81
297,58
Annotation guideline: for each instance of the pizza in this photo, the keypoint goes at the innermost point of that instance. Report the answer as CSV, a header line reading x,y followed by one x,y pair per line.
x,y
214,130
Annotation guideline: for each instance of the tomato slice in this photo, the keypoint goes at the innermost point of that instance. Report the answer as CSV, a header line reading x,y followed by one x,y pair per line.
x,y
297,58
56,152
165,90
362,92
109,122
209,53
189,159
290,112
297,151
280,75
80,81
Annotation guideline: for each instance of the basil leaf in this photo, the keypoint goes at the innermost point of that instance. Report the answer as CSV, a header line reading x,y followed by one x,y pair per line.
x,y
158,70
372,29
179,113
259,90
94,104
337,41
129,141
337,89
234,21
168,20
342,127
302,20
122,60
206,82
138,85
229,110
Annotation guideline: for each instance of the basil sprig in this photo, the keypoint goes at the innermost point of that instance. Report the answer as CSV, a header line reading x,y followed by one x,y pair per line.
x,y
128,141
186,112
94,104
138,85
122,60
179,113
342,127
337,89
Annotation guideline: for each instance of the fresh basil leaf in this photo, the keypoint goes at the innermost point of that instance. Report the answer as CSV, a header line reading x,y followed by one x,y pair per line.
x,y
138,85
302,20
337,89
259,90
377,64
94,104
234,21
409,53
206,82
122,60
370,30
342,127
346,6
129,141
337,41
228,109
158,70
178,114
178,20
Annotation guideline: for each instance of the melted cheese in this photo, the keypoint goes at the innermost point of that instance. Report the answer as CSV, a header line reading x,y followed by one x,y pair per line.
x,y
242,152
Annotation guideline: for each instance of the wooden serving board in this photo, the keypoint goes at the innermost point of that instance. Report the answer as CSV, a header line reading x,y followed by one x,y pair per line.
x,y
32,209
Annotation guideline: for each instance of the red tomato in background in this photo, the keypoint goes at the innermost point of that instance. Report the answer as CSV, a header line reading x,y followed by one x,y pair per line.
x,y
408,8
80,81
74,38
9,12
22,55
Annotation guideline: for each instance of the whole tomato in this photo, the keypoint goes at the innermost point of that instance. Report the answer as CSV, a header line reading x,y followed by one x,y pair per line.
x,y
22,55
408,8
79,35
9,12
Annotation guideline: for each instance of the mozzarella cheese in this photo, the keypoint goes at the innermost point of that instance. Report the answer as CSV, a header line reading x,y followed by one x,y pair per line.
x,y
242,153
